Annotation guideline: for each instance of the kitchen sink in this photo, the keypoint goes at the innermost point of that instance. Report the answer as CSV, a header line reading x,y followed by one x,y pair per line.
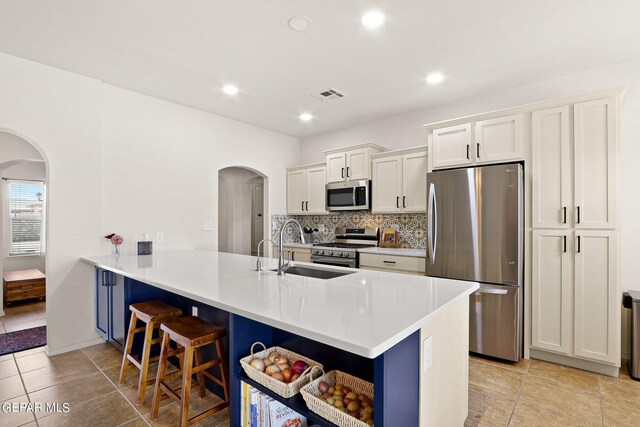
x,y
316,273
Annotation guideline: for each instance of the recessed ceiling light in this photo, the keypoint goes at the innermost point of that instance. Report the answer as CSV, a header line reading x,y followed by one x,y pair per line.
x,y
435,78
305,117
300,23
230,89
372,19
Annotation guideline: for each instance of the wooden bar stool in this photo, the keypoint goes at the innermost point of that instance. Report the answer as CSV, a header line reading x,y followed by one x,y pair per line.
x,y
192,333
152,313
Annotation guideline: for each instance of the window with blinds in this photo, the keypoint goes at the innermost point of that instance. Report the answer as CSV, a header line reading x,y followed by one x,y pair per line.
x,y
26,215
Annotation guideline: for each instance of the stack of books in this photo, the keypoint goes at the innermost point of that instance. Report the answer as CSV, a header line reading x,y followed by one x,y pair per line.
x,y
260,410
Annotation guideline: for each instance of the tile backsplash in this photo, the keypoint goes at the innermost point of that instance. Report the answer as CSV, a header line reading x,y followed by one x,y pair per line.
x,y
412,232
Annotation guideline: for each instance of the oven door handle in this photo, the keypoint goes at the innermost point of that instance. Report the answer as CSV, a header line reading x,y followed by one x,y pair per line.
x,y
345,262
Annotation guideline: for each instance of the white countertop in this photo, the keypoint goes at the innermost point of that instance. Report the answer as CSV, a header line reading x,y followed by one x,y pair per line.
x,y
422,253
365,313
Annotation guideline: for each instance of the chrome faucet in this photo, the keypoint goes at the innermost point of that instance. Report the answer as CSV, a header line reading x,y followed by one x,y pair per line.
x,y
282,267
258,263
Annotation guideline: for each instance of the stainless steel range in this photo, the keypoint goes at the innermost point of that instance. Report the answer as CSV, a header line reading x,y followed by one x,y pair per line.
x,y
343,251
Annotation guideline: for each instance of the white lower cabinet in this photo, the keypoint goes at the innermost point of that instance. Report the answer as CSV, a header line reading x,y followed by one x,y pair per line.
x,y
393,263
294,253
551,293
575,304
597,300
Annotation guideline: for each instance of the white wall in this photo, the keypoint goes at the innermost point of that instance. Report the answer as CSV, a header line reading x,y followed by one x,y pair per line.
x,y
234,210
160,165
59,113
405,131
122,162
32,170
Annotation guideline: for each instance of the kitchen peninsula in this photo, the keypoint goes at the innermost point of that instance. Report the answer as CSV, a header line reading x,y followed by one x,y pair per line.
x,y
370,324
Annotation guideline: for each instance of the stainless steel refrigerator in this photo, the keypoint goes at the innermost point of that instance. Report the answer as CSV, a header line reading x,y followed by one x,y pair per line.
x,y
475,227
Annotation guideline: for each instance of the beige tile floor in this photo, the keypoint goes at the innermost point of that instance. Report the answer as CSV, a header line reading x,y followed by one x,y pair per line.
x,y
529,393
537,393
87,380
22,316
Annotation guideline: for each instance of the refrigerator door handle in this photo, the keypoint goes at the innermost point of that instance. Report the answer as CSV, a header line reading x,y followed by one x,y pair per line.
x,y
432,223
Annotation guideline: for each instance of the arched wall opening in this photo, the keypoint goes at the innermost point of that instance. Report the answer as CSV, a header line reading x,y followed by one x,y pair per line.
x,y
23,229
242,209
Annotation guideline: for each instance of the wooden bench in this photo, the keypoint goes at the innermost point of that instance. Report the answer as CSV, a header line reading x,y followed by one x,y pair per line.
x,y
23,284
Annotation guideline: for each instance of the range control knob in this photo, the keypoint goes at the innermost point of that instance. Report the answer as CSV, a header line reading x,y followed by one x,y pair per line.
x,y
345,254
328,253
317,251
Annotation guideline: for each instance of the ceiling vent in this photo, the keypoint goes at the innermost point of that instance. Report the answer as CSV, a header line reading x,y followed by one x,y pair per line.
x,y
329,95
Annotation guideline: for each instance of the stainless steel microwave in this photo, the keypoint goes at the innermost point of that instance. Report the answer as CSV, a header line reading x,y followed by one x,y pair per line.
x,y
349,195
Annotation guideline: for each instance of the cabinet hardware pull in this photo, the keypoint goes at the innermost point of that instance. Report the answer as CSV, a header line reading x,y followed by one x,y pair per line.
x,y
564,214
307,205
467,151
578,244
302,207
343,172
478,150
578,209
389,262
347,171
398,202
104,278
564,244
404,201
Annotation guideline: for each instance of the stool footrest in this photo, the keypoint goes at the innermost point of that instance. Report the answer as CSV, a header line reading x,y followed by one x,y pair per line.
x,y
208,412
206,366
135,362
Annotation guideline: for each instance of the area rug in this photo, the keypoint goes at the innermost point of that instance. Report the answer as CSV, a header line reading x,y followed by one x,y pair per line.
x,y
12,342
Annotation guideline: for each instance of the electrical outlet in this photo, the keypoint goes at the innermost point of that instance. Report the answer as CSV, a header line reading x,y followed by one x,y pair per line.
x,y
321,228
159,237
427,354
208,226
194,311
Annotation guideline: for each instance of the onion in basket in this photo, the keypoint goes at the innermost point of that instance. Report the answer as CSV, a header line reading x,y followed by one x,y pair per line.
x,y
257,364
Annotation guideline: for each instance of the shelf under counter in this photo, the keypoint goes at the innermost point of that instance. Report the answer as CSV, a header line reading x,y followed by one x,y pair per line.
x,y
295,402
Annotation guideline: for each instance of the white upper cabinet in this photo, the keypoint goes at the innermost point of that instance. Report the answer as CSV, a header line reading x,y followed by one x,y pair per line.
x,y
400,181
386,184
350,163
295,191
488,141
414,181
336,167
316,190
597,298
499,140
358,164
451,146
588,201
306,190
551,160
595,152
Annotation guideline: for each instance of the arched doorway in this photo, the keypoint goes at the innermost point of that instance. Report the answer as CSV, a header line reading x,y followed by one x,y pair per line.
x,y
23,208
242,210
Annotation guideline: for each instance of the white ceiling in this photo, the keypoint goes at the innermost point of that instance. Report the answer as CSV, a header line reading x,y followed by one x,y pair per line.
x,y
184,51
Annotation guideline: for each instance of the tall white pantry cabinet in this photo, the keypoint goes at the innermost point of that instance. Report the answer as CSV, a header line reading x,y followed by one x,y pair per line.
x,y
575,297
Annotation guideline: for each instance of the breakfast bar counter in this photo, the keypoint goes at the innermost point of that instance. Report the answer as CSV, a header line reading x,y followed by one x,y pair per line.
x,y
367,323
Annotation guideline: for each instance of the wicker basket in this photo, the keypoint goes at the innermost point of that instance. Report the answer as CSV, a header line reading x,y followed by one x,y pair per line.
x,y
311,394
283,389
